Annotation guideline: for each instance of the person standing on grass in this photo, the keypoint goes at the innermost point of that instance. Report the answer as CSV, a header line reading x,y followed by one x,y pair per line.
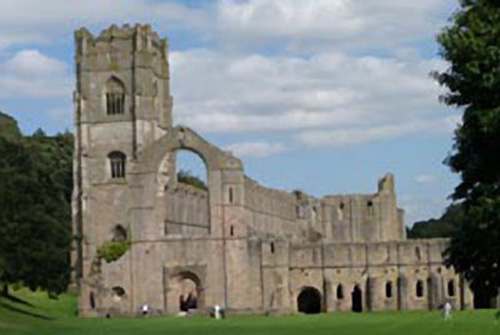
x,y
447,310
145,309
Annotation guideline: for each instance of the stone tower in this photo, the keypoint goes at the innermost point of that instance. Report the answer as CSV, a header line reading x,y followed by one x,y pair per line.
x,y
122,104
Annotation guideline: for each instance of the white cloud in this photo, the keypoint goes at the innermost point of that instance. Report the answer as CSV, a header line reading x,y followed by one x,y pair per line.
x,y
31,74
255,149
331,24
27,21
342,22
360,98
341,137
425,178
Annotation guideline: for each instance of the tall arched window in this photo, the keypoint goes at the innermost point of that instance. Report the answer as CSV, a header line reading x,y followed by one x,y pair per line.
x,y
117,162
340,292
115,97
388,289
419,289
451,288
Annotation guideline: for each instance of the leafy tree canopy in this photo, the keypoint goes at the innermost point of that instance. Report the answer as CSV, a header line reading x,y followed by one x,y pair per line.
x,y
442,227
35,208
471,45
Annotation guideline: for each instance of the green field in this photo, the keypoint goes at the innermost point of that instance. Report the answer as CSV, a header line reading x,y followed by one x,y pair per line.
x,y
34,313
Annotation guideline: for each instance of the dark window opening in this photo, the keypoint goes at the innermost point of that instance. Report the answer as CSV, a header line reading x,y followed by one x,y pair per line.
x,y
92,300
419,289
370,203
230,195
272,247
309,301
119,233
231,230
117,161
451,288
340,292
388,290
357,299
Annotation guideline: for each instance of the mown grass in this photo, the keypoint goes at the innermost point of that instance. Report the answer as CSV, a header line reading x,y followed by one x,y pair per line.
x,y
34,313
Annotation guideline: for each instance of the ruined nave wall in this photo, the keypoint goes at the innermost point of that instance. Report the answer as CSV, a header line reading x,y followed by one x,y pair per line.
x,y
340,218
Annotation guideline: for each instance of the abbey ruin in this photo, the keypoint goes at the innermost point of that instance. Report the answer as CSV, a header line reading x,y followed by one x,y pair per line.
x,y
237,244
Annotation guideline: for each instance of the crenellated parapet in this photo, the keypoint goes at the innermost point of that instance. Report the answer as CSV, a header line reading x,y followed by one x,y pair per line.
x,y
141,38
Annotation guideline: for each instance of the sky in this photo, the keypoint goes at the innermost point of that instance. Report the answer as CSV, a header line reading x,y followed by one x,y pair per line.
x,y
324,96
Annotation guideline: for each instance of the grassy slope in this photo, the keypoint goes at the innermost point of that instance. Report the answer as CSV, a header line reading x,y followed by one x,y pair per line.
x,y
54,317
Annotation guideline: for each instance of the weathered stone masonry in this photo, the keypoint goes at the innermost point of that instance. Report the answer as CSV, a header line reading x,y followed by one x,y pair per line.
x,y
237,244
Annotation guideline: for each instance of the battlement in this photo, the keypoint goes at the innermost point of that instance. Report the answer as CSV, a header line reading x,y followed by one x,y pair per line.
x,y
142,38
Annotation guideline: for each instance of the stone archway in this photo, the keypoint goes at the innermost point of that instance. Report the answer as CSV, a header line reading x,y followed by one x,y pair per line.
x,y
357,299
148,169
309,301
184,292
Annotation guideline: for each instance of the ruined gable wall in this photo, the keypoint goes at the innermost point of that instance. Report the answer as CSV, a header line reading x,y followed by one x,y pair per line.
x,y
370,217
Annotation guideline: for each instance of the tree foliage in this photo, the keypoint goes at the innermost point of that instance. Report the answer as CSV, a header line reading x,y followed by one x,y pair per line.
x,y
35,209
471,44
442,227
112,251
186,177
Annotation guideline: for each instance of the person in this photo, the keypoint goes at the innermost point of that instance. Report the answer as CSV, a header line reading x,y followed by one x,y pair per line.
x,y
217,312
145,309
447,310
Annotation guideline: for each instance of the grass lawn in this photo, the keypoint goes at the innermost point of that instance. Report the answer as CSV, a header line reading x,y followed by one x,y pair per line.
x,y
34,313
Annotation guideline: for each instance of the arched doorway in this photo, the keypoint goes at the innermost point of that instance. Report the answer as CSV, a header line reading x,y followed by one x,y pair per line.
x,y
357,299
309,301
184,292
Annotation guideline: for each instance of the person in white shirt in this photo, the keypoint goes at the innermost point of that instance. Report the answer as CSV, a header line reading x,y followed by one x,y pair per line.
x,y
447,310
217,312
145,309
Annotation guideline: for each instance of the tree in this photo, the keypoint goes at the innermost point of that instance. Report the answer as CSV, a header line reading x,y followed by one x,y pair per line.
x,y
186,177
442,227
471,44
35,210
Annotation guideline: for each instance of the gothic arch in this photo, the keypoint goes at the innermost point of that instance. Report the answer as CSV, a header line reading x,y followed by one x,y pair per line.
x,y
182,138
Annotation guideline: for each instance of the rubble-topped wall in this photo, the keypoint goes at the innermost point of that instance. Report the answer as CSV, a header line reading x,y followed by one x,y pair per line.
x,y
342,218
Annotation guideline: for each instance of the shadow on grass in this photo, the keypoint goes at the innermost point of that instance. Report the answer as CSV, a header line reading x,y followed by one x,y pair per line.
x,y
15,299
21,311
